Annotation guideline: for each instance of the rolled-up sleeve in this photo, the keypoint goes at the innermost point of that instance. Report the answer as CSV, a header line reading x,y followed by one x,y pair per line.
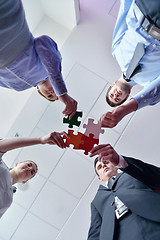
x,y
150,95
50,57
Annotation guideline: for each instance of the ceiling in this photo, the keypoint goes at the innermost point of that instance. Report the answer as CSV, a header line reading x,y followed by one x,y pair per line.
x,y
56,203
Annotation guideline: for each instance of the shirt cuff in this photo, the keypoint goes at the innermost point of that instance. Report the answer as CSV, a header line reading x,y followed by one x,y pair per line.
x,y
58,84
122,163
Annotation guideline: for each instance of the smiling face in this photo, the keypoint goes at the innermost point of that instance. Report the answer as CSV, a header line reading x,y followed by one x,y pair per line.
x,y
25,170
118,92
105,171
46,90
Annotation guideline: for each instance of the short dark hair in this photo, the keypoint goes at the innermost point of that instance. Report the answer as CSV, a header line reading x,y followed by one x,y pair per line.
x,y
95,162
110,102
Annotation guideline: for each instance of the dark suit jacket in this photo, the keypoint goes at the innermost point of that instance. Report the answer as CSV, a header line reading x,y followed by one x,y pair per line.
x,y
135,187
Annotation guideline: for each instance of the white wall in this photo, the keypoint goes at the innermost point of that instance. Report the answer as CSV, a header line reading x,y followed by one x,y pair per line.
x,y
62,11
53,29
34,12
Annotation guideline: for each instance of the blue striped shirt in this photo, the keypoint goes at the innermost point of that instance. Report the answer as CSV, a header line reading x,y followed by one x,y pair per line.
x,y
25,61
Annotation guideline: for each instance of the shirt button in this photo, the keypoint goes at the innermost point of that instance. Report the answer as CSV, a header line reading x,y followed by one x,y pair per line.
x,y
142,96
154,45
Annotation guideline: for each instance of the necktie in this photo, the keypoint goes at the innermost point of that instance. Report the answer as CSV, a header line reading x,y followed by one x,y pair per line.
x,y
138,54
110,183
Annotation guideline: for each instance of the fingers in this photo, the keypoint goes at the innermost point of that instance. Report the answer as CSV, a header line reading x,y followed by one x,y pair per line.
x,y
96,150
55,138
108,120
66,111
70,109
72,114
106,154
101,150
70,105
64,134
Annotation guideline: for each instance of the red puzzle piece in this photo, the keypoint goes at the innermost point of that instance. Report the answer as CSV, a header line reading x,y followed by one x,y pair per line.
x,y
88,143
75,140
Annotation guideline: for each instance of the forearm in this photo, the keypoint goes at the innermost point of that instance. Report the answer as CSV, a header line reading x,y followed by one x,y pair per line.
x,y
129,107
125,109
144,172
111,119
13,143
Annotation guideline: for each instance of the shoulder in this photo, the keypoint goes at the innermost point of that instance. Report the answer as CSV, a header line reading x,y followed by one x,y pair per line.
x,y
45,39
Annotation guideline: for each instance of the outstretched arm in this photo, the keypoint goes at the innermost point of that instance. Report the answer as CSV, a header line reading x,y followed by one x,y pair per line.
x,y
50,57
111,119
144,172
54,138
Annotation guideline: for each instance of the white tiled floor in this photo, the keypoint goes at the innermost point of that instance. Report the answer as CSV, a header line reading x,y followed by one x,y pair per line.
x,y
56,204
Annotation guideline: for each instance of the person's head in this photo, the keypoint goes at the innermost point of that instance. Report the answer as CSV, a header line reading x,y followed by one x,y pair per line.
x,y
23,171
45,89
104,170
117,93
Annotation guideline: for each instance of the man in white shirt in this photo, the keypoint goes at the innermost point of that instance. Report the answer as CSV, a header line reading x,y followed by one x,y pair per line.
x,y
136,48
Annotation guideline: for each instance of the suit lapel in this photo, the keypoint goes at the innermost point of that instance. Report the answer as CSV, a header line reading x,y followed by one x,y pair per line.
x,y
116,179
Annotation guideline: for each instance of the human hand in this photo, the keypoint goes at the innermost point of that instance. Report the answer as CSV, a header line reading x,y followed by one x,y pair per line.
x,y
55,138
71,105
111,119
106,153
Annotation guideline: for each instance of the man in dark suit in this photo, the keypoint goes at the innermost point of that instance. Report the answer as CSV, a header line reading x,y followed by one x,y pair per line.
x,y
128,208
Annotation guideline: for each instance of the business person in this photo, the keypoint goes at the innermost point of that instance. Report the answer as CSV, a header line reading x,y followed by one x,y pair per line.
x,y
27,62
128,206
136,48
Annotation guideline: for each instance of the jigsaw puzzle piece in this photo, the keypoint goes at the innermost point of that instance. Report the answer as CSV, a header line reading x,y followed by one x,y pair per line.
x,y
73,120
93,128
75,140
88,144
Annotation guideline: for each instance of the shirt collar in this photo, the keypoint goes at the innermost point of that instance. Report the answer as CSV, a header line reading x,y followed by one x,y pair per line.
x,y
108,180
